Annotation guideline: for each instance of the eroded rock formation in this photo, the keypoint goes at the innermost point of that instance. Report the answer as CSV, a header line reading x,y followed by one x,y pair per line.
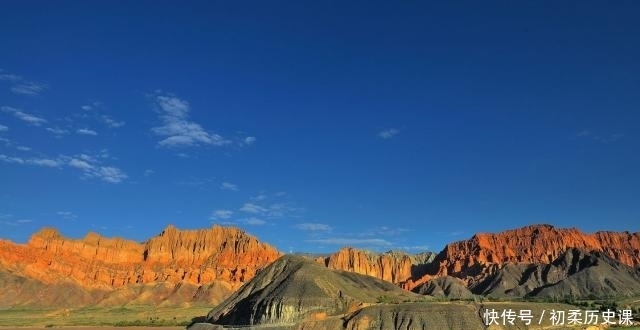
x,y
394,267
224,254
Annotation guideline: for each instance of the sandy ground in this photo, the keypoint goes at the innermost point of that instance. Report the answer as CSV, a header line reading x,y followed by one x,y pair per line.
x,y
92,328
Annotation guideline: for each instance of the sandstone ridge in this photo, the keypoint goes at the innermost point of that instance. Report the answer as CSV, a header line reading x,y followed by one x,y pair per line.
x,y
225,254
480,256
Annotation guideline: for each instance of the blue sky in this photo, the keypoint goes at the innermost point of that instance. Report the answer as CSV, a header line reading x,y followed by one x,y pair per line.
x,y
315,125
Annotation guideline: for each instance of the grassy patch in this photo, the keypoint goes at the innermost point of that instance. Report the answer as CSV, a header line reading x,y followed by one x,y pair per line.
x,y
103,316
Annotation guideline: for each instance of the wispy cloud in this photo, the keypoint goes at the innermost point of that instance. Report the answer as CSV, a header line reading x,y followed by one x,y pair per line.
x,y
57,130
9,220
94,109
607,138
26,117
221,214
259,197
28,88
228,186
19,85
90,167
276,210
177,129
67,215
45,162
255,222
353,241
149,172
388,133
86,131
314,227
3,128
110,122
383,231
249,140
416,248
253,208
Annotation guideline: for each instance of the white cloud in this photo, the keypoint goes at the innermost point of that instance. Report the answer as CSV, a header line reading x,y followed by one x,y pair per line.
x,y
86,131
255,222
93,110
221,214
57,130
149,172
587,134
80,164
111,174
583,133
10,77
228,186
260,197
68,215
388,133
11,160
3,128
353,241
44,162
110,122
28,88
23,148
26,117
89,166
177,129
308,226
249,140
253,208
21,86
418,248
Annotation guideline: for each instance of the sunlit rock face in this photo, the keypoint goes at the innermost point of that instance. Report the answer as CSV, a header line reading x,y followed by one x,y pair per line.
x,y
481,255
174,256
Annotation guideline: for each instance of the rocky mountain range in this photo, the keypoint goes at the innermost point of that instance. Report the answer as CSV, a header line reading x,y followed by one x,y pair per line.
x,y
208,265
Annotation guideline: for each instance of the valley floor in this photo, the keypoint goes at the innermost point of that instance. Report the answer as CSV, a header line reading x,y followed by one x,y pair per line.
x,y
131,317
93,328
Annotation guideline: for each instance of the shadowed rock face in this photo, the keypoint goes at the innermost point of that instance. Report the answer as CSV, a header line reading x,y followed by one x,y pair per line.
x,y
475,259
445,287
295,288
191,256
575,273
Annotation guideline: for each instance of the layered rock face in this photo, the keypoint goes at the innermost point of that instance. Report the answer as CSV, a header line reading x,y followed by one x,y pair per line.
x,y
540,244
191,256
394,267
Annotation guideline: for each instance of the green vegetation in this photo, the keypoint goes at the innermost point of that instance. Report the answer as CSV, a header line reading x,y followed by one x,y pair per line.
x,y
103,316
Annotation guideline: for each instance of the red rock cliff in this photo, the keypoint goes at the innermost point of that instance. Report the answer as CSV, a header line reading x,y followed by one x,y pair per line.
x,y
531,244
394,267
195,256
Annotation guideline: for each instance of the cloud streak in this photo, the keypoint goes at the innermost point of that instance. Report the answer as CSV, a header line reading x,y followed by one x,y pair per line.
x,y
221,214
26,117
388,133
228,186
177,129
587,134
86,131
19,85
90,167
313,227
353,241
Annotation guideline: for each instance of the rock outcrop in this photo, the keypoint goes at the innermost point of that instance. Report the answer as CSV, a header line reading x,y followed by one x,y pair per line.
x,y
294,289
480,256
198,257
392,266
575,273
